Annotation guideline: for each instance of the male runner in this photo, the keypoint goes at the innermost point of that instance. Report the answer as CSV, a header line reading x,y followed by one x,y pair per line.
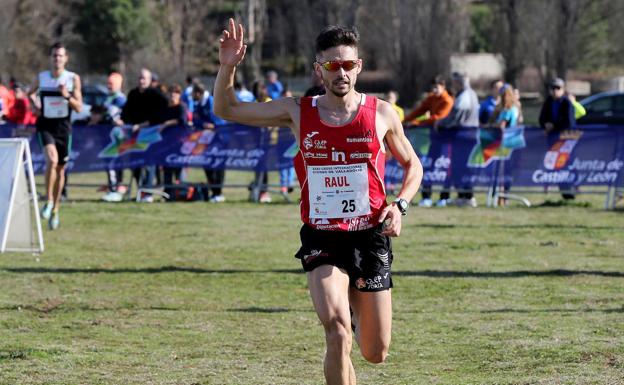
x,y
59,93
345,248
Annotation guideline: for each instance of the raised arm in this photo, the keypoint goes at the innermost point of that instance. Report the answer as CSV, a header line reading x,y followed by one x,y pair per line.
x,y
226,106
402,150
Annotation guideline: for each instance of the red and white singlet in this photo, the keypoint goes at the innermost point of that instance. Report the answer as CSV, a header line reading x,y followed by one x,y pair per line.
x,y
340,169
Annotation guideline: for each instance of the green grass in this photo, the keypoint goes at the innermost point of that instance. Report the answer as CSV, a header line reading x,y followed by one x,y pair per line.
x,y
194,293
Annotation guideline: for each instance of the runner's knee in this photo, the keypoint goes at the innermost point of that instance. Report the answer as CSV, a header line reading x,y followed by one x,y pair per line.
x,y
338,335
376,352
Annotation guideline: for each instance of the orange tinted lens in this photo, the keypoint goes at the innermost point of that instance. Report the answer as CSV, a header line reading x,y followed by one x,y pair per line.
x,y
332,66
349,65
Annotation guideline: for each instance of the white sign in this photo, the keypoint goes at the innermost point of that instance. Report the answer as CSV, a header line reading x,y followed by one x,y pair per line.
x,y
338,191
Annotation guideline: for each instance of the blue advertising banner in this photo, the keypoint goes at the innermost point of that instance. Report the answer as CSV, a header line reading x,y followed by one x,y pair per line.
x,y
463,157
522,156
98,148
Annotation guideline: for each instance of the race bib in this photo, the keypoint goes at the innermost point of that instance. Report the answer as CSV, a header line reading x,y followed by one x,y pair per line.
x,y
338,191
55,107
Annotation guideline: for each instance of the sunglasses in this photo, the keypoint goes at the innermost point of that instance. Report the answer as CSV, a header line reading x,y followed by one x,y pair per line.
x,y
555,87
333,66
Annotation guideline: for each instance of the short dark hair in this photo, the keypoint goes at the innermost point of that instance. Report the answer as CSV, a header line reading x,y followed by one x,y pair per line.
x,y
438,80
198,88
57,45
335,35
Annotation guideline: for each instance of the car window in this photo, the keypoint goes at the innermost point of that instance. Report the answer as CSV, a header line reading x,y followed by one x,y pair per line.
x,y
618,104
600,105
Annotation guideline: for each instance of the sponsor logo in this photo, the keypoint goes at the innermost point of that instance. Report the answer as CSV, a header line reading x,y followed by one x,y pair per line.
x,y
327,227
314,254
366,138
560,152
309,142
124,141
315,155
358,223
386,275
373,283
361,155
338,156
384,259
360,283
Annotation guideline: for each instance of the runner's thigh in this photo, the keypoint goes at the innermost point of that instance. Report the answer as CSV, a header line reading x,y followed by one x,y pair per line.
x,y
329,289
374,319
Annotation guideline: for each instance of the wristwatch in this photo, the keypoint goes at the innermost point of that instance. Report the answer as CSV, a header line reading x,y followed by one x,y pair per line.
x,y
402,205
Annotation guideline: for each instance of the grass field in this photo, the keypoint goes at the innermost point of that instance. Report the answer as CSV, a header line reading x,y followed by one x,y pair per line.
x,y
197,293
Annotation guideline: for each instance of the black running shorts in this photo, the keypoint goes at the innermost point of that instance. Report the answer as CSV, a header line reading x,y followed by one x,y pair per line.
x,y
365,255
62,142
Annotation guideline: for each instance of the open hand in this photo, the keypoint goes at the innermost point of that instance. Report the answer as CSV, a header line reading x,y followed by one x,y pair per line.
x,y
231,47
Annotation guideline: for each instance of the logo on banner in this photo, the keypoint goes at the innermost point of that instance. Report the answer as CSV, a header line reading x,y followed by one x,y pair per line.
x,y
124,141
197,142
492,146
558,155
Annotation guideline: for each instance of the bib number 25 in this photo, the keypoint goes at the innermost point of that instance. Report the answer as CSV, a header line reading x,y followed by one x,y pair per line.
x,y
348,206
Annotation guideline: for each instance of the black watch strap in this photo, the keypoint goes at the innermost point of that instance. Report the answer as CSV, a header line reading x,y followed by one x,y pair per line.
x,y
402,205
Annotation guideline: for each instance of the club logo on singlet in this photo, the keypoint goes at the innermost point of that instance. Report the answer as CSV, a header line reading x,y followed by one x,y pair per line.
x,y
317,144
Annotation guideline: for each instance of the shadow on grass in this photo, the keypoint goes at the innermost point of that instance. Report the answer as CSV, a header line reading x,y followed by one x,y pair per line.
x,y
506,274
140,270
404,273
555,310
256,309
556,226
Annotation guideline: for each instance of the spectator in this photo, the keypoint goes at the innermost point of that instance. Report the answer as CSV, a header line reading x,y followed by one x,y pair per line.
x,y
506,113
436,106
175,115
392,97
20,111
7,98
116,100
261,94
464,114
243,94
113,105
519,105
205,119
487,107
144,107
317,87
505,117
579,110
187,95
274,86
557,116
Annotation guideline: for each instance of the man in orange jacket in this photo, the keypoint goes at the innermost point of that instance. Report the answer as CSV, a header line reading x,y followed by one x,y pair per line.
x,y
435,107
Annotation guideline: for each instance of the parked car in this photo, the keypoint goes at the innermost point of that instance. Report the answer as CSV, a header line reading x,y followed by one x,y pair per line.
x,y
92,95
603,108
